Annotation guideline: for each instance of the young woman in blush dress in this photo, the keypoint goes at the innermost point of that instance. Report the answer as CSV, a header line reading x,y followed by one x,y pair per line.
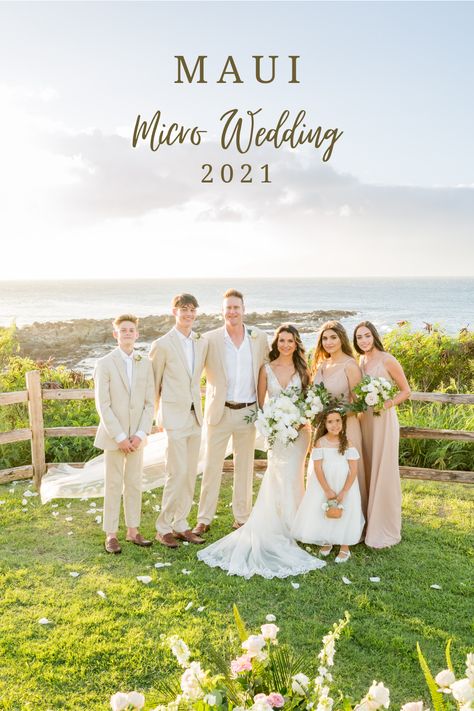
x,y
380,436
335,366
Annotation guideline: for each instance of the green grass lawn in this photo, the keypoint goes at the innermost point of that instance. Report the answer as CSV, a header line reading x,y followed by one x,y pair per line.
x,y
95,646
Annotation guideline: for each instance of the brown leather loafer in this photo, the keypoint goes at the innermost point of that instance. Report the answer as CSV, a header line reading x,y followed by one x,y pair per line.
x,y
189,536
167,539
201,528
236,525
112,545
140,541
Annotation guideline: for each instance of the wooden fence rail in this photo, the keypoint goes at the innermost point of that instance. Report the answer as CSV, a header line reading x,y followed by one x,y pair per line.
x,y
34,396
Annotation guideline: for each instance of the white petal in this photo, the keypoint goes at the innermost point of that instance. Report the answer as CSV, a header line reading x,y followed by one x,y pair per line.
x,y
69,533
346,581
55,513
54,506
98,519
160,565
270,618
69,518
93,505
435,587
101,593
30,493
44,621
2,502
74,574
186,572
375,579
144,579
188,606
24,502
68,506
200,609
295,585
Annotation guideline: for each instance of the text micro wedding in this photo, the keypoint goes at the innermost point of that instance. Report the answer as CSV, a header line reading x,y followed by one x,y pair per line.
x,y
240,129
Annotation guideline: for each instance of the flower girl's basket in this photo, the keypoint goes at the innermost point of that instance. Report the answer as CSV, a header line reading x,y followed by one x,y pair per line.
x,y
333,509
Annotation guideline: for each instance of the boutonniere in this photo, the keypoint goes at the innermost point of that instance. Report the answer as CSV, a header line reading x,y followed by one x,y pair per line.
x,y
253,334
137,357
195,336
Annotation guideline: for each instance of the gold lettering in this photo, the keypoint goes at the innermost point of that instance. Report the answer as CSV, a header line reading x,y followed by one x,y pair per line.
x,y
199,64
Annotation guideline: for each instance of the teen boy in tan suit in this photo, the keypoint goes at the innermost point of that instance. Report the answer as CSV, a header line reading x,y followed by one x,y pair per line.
x,y
178,361
124,394
235,355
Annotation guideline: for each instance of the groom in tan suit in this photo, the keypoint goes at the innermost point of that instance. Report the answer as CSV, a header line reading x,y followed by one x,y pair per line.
x,y
178,361
124,394
235,355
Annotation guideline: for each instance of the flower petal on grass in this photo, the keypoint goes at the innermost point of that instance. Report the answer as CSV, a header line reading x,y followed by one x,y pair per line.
x,y
101,594
74,574
69,518
270,618
346,581
188,606
375,579
98,519
24,502
144,579
295,586
201,608
44,621
435,587
55,513
186,572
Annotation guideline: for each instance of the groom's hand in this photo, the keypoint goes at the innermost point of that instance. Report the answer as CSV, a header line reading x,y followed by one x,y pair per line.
x,y
126,446
135,442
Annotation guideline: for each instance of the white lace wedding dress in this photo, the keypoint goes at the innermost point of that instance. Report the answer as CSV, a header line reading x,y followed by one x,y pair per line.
x,y
264,545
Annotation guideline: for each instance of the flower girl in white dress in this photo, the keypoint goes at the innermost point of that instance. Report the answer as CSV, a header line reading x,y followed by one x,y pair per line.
x,y
332,485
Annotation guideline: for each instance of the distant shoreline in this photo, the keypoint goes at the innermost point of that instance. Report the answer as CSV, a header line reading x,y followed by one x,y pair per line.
x,y
72,342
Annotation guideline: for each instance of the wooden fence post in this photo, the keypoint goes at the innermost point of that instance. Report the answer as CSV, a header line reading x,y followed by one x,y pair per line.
x,y
35,413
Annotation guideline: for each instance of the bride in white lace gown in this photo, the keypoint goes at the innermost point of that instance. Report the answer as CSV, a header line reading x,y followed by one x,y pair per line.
x,y
264,545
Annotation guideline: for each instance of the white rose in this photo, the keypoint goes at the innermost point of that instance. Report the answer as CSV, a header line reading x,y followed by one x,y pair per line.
x,y
261,705
445,678
299,684
371,387
190,682
269,631
413,706
270,618
463,691
371,399
254,644
136,699
119,701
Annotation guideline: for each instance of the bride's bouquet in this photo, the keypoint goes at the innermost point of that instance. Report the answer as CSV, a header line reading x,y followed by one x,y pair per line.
x,y
372,392
281,417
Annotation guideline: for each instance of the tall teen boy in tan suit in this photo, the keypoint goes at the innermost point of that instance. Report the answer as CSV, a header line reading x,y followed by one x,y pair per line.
x,y
234,357
124,394
178,361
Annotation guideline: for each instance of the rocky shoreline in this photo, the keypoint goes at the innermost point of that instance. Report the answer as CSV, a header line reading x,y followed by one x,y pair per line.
x,y
78,342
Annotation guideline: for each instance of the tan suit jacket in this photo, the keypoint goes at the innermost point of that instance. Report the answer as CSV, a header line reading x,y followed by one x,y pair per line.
x,y
175,387
216,389
121,408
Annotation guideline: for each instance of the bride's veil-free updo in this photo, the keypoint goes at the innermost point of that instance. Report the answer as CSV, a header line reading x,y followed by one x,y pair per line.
x,y
299,355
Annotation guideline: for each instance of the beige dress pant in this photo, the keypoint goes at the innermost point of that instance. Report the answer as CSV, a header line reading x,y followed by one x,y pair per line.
x,y
123,475
233,425
181,471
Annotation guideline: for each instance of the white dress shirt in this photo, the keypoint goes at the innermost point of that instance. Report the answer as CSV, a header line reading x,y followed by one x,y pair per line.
x,y
187,344
239,370
128,360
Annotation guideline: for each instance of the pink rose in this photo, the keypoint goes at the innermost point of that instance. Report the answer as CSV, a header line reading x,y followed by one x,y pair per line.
x,y
260,697
276,700
241,664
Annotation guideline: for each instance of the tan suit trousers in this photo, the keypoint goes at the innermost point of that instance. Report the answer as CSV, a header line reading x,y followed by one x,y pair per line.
x,y
123,474
181,471
233,425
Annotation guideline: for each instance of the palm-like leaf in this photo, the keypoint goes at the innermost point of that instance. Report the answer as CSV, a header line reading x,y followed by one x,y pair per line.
x,y
448,656
436,697
222,667
240,624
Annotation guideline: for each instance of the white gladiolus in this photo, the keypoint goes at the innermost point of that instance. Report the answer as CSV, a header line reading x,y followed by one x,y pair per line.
x,y
445,678
300,684
254,645
136,699
463,691
180,650
191,682
119,701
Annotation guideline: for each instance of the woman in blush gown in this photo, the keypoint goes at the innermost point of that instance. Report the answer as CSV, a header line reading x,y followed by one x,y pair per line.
x,y
335,366
264,544
380,437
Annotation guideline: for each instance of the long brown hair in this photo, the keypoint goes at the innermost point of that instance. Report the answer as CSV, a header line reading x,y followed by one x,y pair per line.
x,y
322,429
319,353
376,336
299,355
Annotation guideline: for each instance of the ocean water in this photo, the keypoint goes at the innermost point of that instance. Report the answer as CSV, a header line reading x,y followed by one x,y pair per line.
x,y
445,301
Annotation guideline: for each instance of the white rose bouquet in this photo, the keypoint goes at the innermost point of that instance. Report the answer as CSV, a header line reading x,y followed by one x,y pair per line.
x,y
372,392
281,417
315,400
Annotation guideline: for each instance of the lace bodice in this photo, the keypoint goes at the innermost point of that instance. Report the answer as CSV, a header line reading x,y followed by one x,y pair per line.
x,y
273,386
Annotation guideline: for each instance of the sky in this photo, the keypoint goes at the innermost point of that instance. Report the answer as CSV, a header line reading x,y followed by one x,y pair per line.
x,y
395,198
